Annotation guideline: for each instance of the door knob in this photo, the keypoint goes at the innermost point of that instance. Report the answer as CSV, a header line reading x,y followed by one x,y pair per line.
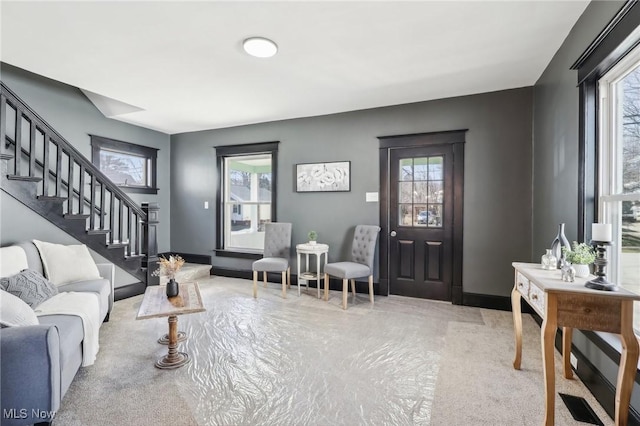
x,y
393,233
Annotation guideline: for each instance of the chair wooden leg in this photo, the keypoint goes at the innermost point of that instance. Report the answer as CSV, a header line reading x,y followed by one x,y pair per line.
x,y
353,287
326,287
255,284
289,277
264,278
371,288
345,292
284,284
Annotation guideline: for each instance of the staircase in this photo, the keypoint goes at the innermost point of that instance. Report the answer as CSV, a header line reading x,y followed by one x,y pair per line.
x,y
46,173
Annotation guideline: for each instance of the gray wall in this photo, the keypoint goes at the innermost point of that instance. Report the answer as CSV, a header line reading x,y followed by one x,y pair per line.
x,y
555,154
497,218
69,112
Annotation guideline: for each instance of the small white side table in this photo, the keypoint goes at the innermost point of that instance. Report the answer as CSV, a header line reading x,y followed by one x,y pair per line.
x,y
318,250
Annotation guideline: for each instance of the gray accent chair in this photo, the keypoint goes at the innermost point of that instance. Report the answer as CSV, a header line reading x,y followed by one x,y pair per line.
x,y
361,265
277,249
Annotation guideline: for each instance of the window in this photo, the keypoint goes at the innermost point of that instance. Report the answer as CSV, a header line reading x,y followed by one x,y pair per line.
x,y
609,102
421,192
132,167
619,170
246,194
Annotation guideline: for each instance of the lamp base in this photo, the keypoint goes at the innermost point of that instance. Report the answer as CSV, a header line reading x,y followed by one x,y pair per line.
x,y
601,283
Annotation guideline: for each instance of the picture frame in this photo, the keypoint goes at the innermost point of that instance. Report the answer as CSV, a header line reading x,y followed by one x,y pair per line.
x,y
332,176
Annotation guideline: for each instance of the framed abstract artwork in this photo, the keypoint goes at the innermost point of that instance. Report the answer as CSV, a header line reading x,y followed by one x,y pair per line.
x,y
323,177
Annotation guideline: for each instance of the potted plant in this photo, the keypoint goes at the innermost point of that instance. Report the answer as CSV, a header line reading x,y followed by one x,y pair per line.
x,y
313,236
581,256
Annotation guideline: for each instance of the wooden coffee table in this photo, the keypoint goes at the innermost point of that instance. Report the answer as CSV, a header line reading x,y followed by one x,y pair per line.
x,y
156,304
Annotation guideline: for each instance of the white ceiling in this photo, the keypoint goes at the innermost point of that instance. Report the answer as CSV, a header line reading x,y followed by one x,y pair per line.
x,y
179,66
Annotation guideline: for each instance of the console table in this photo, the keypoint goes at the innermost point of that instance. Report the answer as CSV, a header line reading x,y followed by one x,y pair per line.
x,y
572,305
318,250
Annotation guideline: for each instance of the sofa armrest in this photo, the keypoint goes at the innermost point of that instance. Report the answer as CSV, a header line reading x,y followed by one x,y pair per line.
x,y
29,374
107,271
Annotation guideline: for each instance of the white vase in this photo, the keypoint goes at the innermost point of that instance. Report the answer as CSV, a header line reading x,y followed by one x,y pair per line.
x,y
582,271
312,242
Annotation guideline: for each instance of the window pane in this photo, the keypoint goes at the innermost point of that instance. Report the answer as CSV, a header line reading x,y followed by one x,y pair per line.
x,y
420,168
435,216
435,168
421,215
405,194
630,250
436,191
421,192
630,86
404,215
264,184
124,169
406,169
245,225
249,178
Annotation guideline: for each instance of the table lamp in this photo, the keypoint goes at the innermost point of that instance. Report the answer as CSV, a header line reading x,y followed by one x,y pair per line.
x,y
601,237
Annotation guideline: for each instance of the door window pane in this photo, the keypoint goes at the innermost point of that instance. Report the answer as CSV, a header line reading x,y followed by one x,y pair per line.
x,y
435,168
405,192
435,216
421,217
420,168
421,192
404,215
436,191
406,169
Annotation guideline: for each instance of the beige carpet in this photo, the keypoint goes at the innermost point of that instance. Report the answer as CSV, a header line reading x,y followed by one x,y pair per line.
x,y
303,361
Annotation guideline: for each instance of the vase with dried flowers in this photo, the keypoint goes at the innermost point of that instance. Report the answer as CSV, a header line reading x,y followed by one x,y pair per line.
x,y
170,268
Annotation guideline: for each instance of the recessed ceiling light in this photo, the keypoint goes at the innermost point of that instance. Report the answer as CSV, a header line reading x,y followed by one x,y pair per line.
x,y
260,47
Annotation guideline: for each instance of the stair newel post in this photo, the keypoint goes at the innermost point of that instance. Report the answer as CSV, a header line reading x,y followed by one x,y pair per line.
x,y
150,242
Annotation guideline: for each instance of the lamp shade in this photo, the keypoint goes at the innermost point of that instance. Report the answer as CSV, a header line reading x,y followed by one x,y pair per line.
x,y
601,232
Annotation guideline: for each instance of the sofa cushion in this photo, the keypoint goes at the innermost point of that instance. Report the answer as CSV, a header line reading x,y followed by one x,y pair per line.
x,y
29,286
64,264
15,312
13,259
101,286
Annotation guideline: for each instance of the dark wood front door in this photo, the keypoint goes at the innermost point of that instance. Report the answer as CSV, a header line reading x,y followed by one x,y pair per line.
x,y
422,206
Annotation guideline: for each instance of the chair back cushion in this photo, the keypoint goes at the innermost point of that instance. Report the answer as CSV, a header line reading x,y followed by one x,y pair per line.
x,y
364,244
277,240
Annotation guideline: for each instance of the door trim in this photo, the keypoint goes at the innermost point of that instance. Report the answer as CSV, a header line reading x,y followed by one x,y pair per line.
x,y
386,144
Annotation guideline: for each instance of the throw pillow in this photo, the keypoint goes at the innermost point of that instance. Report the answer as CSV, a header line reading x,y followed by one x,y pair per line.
x,y
66,264
14,312
30,286
13,259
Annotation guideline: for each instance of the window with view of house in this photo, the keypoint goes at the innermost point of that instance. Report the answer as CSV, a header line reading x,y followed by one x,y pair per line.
x,y
619,170
246,194
132,167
